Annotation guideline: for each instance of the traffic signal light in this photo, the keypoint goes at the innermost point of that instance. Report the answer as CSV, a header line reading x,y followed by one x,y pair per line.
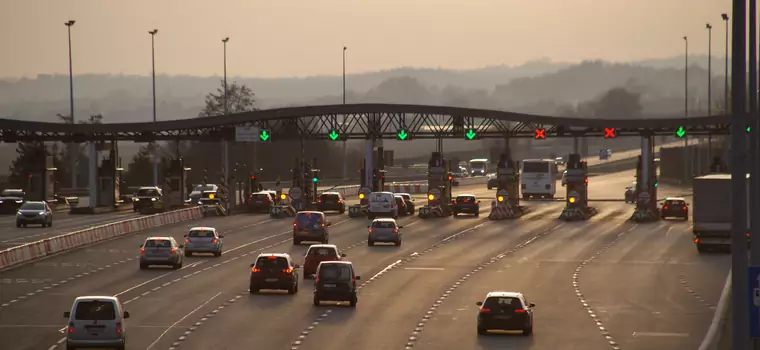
x,y
450,177
610,133
540,134
315,179
254,185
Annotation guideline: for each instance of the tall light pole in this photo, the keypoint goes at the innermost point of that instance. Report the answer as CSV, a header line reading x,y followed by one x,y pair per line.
x,y
686,77
226,105
726,104
345,148
709,68
225,144
73,149
153,64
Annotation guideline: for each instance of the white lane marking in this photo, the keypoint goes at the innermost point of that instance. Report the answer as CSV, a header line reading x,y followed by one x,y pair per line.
x,y
141,284
386,269
424,268
656,334
182,319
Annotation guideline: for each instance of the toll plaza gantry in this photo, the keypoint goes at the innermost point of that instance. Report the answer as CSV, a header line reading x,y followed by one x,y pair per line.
x,y
370,122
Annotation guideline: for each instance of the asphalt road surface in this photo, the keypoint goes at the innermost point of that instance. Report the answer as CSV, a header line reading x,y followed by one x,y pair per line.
x,y
644,285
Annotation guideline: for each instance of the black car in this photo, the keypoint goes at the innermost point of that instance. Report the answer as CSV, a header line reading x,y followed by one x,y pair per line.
x,y
401,204
336,281
274,271
11,200
331,201
466,203
506,311
493,182
147,199
260,202
408,202
674,208
34,213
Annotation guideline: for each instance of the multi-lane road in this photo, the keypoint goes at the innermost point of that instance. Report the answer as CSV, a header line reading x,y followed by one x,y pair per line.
x,y
596,283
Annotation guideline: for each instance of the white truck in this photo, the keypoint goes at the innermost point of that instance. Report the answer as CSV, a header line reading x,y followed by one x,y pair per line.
x,y
711,211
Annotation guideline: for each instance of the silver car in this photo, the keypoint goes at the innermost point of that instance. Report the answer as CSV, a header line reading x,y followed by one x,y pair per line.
x,y
203,240
34,213
384,230
96,322
161,251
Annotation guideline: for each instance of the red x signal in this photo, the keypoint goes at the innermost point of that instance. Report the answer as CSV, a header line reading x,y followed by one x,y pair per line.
x,y
609,133
540,134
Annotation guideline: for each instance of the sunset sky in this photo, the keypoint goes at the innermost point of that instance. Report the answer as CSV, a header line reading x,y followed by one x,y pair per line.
x,y
305,38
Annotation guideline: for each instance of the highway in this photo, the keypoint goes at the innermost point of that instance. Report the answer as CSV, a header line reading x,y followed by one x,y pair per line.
x,y
642,284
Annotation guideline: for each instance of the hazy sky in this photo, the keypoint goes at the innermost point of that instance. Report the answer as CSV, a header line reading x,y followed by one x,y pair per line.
x,y
303,38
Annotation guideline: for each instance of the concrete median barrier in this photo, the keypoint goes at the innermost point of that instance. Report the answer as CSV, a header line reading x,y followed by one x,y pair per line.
x,y
718,336
49,246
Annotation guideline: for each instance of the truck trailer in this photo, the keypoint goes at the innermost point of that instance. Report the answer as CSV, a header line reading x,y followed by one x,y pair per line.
x,y
711,212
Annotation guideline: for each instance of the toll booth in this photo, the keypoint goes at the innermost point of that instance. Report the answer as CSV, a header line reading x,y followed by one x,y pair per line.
x,y
439,188
576,200
646,192
107,177
507,204
175,178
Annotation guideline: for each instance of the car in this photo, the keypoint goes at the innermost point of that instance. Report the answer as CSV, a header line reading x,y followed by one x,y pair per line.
x,y
318,253
506,311
630,193
493,181
96,322
34,213
465,203
161,251
311,226
401,205
260,202
148,199
336,281
331,201
563,180
559,160
675,207
382,204
203,240
384,230
274,271
408,201
11,199
197,192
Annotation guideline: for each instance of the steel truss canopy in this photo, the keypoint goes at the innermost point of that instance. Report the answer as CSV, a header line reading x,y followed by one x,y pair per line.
x,y
362,121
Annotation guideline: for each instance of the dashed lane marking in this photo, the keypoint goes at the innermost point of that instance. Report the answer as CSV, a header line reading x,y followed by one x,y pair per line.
x,y
689,289
183,318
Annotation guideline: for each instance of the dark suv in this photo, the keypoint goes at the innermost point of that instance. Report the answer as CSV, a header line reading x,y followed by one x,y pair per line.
x,y
260,202
336,281
274,271
311,226
507,311
331,201
466,203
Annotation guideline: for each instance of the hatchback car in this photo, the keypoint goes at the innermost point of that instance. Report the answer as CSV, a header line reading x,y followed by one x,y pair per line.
x,y
401,204
203,240
409,201
675,207
506,311
336,281
34,213
260,202
96,322
466,203
311,226
384,230
161,251
274,271
318,253
331,201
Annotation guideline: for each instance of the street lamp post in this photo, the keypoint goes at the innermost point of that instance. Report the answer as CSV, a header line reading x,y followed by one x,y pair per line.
x,y
345,148
709,68
726,104
72,146
686,77
153,65
225,143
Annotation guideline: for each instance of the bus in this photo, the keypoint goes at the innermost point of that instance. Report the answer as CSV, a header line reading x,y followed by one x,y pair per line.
x,y
478,167
538,178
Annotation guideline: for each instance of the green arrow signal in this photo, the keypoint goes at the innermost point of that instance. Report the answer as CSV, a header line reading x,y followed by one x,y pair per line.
x,y
402,135
681,132
470,134
333,135
749,128
264,135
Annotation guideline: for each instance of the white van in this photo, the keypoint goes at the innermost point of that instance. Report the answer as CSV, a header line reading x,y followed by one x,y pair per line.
x,y
96,322
382,204
538,178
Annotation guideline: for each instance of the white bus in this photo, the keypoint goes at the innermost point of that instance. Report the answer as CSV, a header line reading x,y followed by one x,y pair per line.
x,y
478,167
538,178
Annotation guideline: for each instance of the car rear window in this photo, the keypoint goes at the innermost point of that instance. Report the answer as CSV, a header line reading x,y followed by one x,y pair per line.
x,y
201,233
272,262
95,310
329,197
147,192
327,252
674,202
335,272
384,224
158,243
406,197
12,193
535,167
503,302
260,196
465,199
309,221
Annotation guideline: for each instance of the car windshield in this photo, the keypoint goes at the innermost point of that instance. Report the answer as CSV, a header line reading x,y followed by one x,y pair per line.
x,y
323,252
329,197
335,272
465,199
309,221
201,233
158,243
95,310
147,192
503,303
272,262
384,224
32,206
12,193
260,196
201,188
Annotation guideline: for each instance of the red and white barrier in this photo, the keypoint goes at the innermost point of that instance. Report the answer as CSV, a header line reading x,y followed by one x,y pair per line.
x,y
407,188
57,244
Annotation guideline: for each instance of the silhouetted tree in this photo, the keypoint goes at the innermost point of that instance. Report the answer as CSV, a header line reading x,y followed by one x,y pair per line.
x,y
618,103
240,98
139,171
31,159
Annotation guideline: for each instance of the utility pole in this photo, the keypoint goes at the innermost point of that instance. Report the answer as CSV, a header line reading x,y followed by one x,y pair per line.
x,y
345,149
153,63
73,148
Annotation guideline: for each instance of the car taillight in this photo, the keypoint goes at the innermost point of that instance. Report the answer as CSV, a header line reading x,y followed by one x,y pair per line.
x,y
255,269
683,208
339,201
665,207
403,204
142,251
319,201
71,327
696,240
455,202
187,240
519,311
484,309
323,225
395,230
294,224
288,270
213,240
174,251
370,230
118,327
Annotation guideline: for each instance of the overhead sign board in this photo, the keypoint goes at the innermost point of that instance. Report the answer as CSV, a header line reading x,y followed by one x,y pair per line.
x,y
247,134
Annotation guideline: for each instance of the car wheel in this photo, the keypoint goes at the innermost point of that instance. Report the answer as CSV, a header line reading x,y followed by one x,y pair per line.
x,y
292,289
24,225
253,290
353,301
18,224
527,331
700,248
316,301
143,266
370,243
177,266
482,331
296,241
398,243
188,253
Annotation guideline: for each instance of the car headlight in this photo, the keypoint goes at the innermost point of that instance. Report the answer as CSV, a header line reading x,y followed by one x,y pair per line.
x,y
136,199
42,213
18,213
153,199
199,202
20,201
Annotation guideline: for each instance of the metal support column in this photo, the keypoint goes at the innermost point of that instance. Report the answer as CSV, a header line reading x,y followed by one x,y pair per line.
x,y
92,179
369,161
576,145
754,146
226,161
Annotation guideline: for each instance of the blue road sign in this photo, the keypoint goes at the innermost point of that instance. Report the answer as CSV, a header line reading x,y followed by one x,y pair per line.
x,y
753,294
